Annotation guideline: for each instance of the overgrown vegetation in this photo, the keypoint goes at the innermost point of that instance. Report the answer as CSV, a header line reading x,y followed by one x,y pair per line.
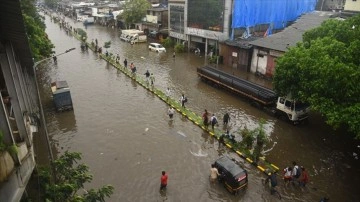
x,y
39,42
82,34
179,48
66,181
134,11
323,71
12,149
168,42
213,59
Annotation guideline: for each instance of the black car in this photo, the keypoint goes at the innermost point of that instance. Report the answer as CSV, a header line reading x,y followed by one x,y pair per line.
x,y
232,175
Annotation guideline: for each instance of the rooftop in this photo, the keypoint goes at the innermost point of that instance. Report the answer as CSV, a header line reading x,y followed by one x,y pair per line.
x,y
293,33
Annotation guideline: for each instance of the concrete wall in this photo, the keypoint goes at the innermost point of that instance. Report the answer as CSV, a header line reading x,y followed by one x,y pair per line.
x,y
351,5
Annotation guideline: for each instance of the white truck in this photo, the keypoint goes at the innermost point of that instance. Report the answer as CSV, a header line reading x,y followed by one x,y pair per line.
x,y
138,38
282,107
133,36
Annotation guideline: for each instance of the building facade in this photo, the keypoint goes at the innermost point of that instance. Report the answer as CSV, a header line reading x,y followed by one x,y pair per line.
x,y
19,104
352,5
200,24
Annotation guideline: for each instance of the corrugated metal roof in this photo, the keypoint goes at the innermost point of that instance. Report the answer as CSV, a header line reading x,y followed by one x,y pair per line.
x,y
293,33
12,30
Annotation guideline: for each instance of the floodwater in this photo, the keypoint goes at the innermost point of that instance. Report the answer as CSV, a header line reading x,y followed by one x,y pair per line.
x,y
126,137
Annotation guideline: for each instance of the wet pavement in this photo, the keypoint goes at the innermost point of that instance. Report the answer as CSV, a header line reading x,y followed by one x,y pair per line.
x,y
126,137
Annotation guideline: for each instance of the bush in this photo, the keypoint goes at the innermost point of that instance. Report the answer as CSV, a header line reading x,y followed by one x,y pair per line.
x,y
168,43
247,138
213,59
179,48
82,34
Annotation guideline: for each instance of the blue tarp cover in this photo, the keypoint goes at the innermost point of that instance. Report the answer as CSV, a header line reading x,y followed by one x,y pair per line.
x,y
277,13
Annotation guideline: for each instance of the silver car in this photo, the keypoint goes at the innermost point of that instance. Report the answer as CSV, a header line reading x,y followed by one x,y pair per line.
x,y
156,47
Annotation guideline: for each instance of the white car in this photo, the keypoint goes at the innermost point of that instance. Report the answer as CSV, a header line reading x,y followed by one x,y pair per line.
x,y
156,47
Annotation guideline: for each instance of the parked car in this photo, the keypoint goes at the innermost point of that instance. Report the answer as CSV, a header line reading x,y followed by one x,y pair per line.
x,y
156,47
232,174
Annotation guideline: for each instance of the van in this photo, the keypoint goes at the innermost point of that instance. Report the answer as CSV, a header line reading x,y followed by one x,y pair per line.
x,y
234,177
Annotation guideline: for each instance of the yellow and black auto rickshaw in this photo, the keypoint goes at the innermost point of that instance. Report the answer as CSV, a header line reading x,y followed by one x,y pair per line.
x,y
232,174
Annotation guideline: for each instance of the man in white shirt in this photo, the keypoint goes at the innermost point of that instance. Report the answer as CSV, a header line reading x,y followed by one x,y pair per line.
x,y
168,93
214,173
171,112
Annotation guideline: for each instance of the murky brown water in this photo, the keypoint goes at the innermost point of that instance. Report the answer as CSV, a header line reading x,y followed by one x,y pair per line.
x,y
126,138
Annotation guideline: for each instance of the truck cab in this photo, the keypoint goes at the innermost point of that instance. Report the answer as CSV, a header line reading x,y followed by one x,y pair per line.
x,y
137,38
292,110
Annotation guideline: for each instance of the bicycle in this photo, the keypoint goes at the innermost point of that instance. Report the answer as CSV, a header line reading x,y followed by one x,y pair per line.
x,y
273,190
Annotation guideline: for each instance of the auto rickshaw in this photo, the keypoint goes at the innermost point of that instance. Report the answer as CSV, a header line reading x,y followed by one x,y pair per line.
x,y
234,177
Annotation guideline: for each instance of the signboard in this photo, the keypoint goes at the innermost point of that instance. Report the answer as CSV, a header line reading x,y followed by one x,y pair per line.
x,y
234,54
177,35
203,33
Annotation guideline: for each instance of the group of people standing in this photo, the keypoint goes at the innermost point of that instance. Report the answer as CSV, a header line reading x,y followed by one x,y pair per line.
x,y
150,78
214,120
296,174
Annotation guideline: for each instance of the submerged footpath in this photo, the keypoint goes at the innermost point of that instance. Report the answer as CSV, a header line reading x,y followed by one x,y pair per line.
x,y
261,163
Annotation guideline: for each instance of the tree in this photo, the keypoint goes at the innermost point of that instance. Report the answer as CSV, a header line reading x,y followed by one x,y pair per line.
x,y
324,70
68,181
134,11
39,42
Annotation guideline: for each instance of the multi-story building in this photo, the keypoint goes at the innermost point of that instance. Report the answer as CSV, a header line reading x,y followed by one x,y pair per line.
x,y
225,28
19,104
200,24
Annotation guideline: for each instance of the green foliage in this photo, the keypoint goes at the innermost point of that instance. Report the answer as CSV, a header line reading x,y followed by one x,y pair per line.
x,y
68,181
261,137
134,11
168,43
12,149
324,71
82,34
213,59
39,42
107,44
247,138
179,48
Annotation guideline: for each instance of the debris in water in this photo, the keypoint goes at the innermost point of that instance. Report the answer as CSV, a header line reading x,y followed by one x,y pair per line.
x,y
146,129
199,153
181,133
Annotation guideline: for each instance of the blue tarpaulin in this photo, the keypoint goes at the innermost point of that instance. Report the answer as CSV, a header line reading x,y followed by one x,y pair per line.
x,y
277,13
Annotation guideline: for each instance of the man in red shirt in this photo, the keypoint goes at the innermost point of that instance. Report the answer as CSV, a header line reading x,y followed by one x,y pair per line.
x,y
164,178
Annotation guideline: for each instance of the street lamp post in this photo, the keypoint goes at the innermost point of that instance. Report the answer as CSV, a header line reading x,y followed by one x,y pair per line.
x,y
43,122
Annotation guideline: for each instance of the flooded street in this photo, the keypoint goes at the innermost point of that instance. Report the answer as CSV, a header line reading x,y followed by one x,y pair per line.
x,y
126,137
